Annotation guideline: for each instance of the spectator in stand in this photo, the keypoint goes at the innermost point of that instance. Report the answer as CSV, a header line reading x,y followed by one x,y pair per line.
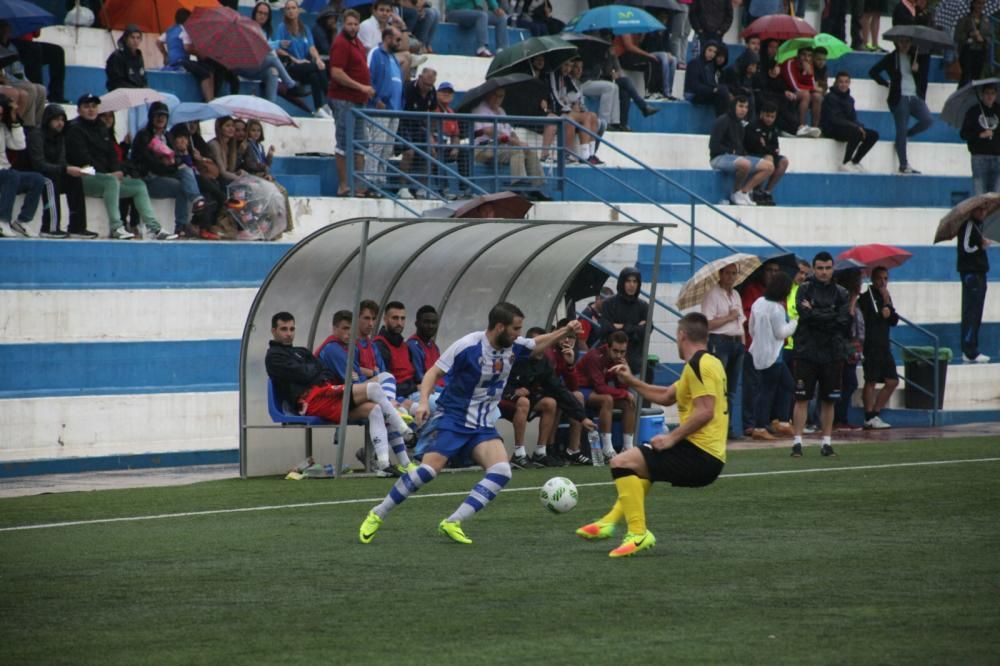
x,y
36,54
723,310
973,35
742,79
762,141
13,181
753,288
769,327
394,350
728,154
595,373
524,164
257,162
607,68
424,351
973,265
224,150
609,108
450,133
628,313
768,54
680,31
820,77
701,81
47,152
820,348
840,122
563,359
274,77
658,66
536,16
324,31
907,86
372,29
479,14
756,9
350,88
850,280
165,178
187,154
130,215
419,96
421,20
387,79
12,73
125,67
871,21
879,365
979,130
295,44
90,143
711,20
798,74
301,380
774,89
567,101
592,319
912,13
176,48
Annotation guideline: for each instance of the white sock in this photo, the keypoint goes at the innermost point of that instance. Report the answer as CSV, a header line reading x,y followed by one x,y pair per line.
x,y
606,444
826,440
586,149
405,486
380,438
377,395
399,448
540,450
497,476
797,439
388,384
626,441
519,450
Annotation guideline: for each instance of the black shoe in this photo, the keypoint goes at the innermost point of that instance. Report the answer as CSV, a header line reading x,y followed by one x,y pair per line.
x,y
85,234
54,234
298,90
388,472
520,462
578,458
650,111
827,450
546,461
538,195
796,450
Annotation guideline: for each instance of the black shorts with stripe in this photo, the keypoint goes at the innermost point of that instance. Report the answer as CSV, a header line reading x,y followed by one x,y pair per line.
x,y
683,464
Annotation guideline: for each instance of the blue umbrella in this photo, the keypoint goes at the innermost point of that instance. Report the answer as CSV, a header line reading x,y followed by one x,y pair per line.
x,y
319,5
187,112
24,17
619,19
348,4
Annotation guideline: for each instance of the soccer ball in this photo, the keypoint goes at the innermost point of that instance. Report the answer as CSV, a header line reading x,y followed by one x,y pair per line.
x,y
558,495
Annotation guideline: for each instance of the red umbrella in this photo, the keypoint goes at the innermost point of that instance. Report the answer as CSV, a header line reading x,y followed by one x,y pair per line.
x,y
778,26
874,254
117,14
231,39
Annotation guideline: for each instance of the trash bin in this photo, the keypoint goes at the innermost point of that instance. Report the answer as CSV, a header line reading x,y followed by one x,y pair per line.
x,y
918,370
651,362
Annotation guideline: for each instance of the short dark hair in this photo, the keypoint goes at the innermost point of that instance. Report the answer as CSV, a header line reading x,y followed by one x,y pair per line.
x,y
181,15
368,304
822,256
820,50
841,73
504,313
342,315
740,99
767,106
618,337
695,327
394,305
281,316
424,309
880,269
779,287
389,32
533,331
381,2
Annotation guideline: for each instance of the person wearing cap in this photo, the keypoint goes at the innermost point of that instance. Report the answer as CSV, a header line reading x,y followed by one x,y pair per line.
x,y
450,132
90,143
152,154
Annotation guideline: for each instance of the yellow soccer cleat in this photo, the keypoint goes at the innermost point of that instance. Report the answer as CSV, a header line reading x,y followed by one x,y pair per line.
x,y
453,530
595,531
369,527
412,465
634,543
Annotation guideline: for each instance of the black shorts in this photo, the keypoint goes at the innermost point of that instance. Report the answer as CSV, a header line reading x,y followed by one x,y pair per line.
x,y
879,366
683,464
807,373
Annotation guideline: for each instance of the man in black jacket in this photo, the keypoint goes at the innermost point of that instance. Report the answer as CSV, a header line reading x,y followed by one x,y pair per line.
x,y
625,311
728,154
47,152
879,364
839,121
762,141
820,348
981,135
90,146
973,265
710,19
907,86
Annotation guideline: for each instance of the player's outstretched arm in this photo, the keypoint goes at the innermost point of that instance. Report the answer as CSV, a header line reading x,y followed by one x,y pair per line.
x,y
546,340
426,388
661,395
702,412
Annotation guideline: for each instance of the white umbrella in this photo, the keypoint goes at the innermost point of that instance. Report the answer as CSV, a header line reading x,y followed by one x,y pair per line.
x,y
250,107
705,278
126,98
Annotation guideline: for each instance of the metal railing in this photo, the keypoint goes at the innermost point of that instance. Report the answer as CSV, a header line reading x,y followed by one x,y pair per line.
x,y
933,391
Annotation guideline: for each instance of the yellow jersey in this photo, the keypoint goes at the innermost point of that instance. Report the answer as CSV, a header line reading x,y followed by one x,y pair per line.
x,y
704,375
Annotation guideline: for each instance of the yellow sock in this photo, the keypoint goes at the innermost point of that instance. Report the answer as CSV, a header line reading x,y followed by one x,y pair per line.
x,y
632,496
614,516
646,485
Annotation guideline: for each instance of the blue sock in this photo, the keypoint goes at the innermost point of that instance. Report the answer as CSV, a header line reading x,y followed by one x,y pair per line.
x,y
405,486
497,476
399,448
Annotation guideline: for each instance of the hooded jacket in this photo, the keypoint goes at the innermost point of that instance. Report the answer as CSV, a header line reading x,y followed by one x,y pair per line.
x,y
91,143
294,370
838,112
628,311
762,140
125,69
822,333
142,156
701,77
47,149
713,16
728,135
736,77
971,129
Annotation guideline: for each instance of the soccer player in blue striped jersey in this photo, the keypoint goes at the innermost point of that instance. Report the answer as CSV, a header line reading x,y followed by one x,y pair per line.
x,y
475,369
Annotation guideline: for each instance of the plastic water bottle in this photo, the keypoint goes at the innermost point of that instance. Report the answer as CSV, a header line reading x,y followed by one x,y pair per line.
x,y
596,453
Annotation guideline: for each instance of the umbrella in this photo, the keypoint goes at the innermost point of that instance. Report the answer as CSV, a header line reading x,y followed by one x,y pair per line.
x,y
187,112
790,48
652,5
778,26
948,12
842,265
499,205
126,98
590,48
587,282
963,99
232,40
24,17
619,19
518,57
834,47
705,278
473,97
923,38
876,254
787,261
155,16
952,222
991,226
251,107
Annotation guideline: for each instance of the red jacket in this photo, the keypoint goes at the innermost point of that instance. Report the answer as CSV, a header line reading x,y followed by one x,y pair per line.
x,y
594,371
563,370
796,79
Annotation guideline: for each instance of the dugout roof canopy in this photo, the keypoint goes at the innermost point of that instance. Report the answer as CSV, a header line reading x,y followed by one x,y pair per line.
x,y
460,266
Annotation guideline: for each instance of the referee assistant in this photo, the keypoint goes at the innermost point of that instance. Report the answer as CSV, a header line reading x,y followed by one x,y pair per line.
x,y
691,456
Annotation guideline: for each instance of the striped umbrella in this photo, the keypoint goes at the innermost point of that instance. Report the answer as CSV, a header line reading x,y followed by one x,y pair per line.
x,y
227,37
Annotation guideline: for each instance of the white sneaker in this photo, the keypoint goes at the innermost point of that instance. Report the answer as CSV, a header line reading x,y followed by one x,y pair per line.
x,y
815,132
980,358
121,233
741,198
404,193
804,131
321,112
858,167
164,236
876,423
19,227
848,167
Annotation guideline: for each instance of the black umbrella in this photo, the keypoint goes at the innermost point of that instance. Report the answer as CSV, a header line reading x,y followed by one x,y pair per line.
x,y
524,94
586,283
963,99
590,48
923,38
788,263
518,58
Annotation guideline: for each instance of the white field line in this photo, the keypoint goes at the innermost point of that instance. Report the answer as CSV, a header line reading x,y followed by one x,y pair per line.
x,y
368,500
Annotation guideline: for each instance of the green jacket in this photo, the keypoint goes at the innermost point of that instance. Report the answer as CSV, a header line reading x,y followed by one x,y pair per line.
x,y
454,5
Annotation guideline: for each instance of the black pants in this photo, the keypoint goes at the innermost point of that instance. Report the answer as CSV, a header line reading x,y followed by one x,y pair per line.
x,y
315,78
972,62
73,189
35,55
857,146
652,73
833,21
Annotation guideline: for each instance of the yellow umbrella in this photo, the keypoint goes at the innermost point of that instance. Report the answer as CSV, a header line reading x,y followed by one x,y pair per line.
x,y
705,278
952,222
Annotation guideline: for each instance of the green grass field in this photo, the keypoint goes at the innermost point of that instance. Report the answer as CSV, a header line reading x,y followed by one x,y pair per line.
x,y
890,565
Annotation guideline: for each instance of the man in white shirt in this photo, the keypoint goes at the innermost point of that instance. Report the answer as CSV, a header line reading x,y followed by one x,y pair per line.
x,y
370,34
723,308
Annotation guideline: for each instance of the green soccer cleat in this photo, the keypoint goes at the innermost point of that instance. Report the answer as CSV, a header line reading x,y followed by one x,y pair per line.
x,y
369,527
633,543
453,530
409,467
596,530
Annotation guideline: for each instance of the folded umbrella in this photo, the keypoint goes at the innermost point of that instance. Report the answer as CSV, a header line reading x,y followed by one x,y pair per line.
x,y
126,98
619,19
24,17
231,39
257,108
963,99
519,56
707,277
923,38
952,222
778,26
876,254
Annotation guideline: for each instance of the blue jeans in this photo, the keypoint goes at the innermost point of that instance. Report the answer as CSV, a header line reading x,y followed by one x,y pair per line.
x,y
12,183
909,105
985,173
271,71
668,64
422,28
479,20
182,188
973,299
774,394
730,352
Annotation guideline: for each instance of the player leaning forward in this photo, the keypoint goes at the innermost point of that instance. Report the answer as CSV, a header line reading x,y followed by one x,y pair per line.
x,y
475,368
691,455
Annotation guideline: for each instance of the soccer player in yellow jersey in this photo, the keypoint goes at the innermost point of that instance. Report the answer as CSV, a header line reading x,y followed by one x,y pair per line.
x,y
691,456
